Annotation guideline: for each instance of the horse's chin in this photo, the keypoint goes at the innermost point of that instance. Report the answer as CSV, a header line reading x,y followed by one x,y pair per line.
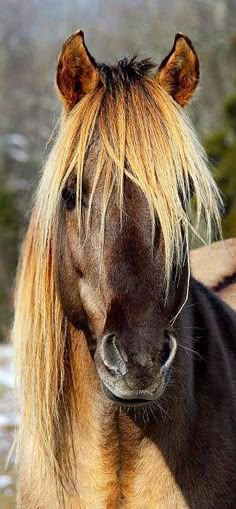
x,y
135,400
124,401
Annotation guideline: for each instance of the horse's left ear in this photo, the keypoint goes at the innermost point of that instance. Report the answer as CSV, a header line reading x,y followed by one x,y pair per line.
x,y
77,72
178,74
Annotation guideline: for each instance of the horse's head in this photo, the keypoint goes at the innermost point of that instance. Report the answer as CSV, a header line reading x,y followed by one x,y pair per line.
x,y
115,291
132,163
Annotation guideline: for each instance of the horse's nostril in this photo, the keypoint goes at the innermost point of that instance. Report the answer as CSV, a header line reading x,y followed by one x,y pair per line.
x,y
165,353
111,355
168,351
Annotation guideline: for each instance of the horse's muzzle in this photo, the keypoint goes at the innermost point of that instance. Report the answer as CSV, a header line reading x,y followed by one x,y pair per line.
x,y
130,383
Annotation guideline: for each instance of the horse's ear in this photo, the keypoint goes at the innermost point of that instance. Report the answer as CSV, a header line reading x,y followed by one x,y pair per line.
x,y
178,74
77,72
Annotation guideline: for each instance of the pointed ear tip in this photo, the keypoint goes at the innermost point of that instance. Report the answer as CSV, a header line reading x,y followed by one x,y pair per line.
x,y
178,35
184,37
79,35
79,32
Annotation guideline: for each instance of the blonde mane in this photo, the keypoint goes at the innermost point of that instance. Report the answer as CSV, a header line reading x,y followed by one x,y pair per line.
x,y
143,135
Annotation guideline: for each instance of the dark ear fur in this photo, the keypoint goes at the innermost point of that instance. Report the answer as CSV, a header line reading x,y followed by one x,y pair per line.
x,y
178,74
77,72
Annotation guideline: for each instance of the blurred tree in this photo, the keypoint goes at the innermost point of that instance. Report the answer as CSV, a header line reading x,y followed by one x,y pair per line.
x,y
9,235
221,149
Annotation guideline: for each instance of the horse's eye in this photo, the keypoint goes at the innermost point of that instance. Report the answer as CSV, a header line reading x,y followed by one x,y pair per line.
x,y
85,197
69,198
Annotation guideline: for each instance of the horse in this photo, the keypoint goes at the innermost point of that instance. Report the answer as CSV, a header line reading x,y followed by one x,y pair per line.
x,y
125,363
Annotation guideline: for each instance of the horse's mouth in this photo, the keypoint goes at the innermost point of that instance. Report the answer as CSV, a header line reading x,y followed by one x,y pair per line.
x,y
126,402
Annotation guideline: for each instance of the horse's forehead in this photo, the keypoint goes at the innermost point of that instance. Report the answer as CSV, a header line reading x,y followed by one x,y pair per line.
x,y
133,196
91,160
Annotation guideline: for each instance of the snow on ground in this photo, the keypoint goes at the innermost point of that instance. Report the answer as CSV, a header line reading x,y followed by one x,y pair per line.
x,y
8,424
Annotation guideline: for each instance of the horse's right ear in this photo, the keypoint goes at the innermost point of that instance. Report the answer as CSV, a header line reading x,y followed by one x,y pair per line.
x,y
77,72
178,74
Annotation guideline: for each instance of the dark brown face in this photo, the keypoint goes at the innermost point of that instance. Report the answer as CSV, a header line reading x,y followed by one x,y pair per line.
x,y
118,298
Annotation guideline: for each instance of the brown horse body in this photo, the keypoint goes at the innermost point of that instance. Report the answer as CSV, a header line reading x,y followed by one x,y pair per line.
x,y
126,364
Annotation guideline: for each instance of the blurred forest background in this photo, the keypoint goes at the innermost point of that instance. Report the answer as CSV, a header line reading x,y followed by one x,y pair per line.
x,y
31,34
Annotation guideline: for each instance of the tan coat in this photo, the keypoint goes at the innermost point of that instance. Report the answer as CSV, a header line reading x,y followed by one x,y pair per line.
x,y
215,267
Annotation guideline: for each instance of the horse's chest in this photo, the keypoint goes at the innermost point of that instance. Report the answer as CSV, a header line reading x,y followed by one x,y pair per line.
x,y
150,484
126,473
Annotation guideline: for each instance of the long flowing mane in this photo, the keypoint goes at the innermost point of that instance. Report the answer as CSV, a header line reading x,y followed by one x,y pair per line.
x,y
140,134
